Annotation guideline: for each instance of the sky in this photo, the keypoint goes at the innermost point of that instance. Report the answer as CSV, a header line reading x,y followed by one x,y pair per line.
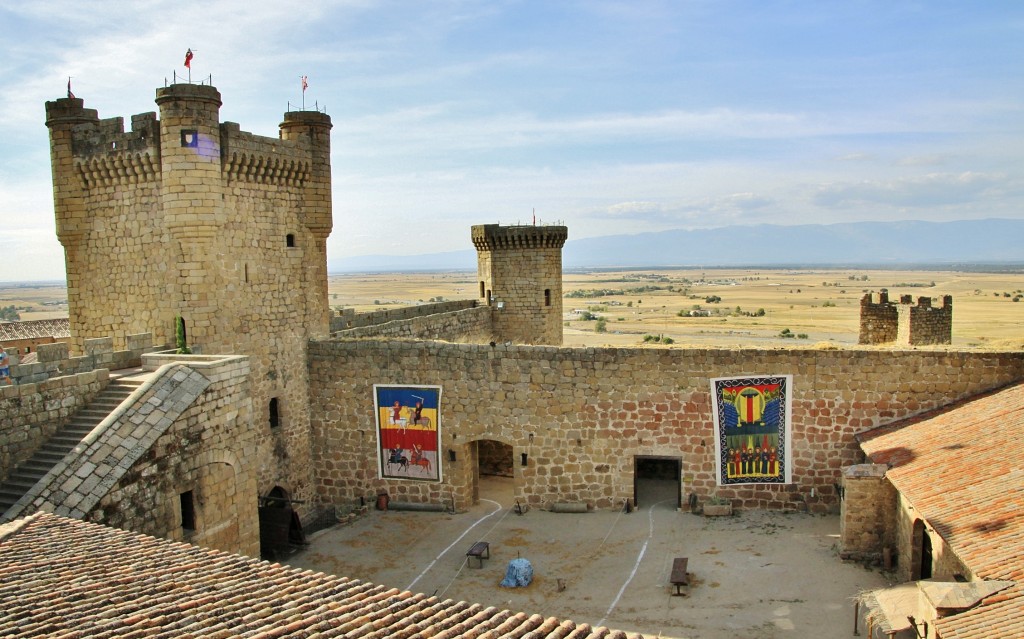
x,y
609,117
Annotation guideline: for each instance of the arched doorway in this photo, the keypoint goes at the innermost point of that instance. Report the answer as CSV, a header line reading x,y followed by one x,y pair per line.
x,y
495,471
280,527
921,562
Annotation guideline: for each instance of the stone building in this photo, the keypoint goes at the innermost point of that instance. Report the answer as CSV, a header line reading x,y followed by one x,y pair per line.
x,y
24,338
905,323
939,502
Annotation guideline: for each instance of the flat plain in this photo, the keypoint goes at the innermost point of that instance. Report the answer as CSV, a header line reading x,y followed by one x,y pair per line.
x,y
710,307
727,307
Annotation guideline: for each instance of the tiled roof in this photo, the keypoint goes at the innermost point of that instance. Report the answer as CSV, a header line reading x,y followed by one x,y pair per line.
x,y
58,328
68,578
962,470
1001,615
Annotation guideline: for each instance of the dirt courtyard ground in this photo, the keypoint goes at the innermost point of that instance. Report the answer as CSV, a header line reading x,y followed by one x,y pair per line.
x,y
758,575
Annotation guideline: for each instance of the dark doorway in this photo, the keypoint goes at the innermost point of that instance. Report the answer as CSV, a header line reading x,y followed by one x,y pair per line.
x,y
657,479
926,555
280,528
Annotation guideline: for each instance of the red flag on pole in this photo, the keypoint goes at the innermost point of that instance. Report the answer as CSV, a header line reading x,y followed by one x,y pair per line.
x,y
305,84
71,96
188,59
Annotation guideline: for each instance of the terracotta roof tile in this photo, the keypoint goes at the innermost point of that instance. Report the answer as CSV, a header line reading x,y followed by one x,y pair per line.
x,y
57,328
66,578
962,470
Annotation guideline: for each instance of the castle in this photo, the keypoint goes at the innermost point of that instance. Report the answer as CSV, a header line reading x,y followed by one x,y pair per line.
x,y
188,217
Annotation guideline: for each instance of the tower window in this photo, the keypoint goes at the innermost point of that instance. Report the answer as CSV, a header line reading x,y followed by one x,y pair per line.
x,y
290,240
482,289
188,511
275,412
547,297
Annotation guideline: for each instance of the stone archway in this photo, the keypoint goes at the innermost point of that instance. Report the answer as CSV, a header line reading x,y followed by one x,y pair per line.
x,y
280,527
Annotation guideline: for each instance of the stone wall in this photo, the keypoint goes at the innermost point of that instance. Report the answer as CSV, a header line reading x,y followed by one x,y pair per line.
x,y
188,429
348,318
908,533
582,414
927,324
868,516
495,458
55,360
31,413
469,324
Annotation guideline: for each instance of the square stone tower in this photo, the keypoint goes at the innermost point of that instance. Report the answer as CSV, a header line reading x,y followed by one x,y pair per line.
x,y
188,216
519,269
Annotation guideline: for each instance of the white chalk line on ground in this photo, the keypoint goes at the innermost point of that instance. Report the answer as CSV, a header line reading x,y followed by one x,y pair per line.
x,y
457,540
636,566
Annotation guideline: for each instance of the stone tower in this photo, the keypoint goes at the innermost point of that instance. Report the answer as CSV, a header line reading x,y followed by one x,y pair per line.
x,y
905,323
188,216
520,274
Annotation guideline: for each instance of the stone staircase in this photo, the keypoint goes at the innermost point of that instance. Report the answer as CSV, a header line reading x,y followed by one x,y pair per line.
x,y
64,440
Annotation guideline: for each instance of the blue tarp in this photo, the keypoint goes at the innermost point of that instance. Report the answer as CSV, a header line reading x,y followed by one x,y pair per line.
x,y
518,575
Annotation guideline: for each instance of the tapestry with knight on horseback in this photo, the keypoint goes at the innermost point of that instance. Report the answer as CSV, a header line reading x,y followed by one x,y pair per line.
x,y
408,431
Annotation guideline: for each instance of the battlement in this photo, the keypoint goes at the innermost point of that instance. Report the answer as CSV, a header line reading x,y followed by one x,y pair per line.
x,y
258,159
904,322
493,237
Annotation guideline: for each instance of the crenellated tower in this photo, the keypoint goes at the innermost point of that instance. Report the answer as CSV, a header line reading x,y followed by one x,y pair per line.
x,y
189,216
519,269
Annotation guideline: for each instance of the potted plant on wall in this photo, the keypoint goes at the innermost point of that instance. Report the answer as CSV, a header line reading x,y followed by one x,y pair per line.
x,y
717,506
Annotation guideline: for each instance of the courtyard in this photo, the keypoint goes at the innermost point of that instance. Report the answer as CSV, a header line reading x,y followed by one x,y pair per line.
x,y
756,574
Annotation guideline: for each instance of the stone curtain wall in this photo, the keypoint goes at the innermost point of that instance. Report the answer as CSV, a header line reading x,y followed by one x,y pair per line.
x,y
582,415
31,413
471,324
348,319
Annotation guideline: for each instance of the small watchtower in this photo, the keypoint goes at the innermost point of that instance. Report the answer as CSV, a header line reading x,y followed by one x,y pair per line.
x,y
904,322
519,269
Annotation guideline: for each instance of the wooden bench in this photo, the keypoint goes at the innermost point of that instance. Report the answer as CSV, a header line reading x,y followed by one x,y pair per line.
x,y
679,577
481,550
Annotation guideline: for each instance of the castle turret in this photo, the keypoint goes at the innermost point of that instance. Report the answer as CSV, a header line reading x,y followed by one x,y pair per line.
x,y
520,275
192,199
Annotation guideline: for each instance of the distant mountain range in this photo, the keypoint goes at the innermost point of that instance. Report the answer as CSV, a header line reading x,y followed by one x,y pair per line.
x,y
882,244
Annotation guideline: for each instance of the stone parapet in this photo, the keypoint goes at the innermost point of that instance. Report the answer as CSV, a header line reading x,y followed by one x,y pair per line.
x,y
347,319
31,413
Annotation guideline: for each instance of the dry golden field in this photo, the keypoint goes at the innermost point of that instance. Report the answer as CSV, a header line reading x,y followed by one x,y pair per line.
x,y
818,307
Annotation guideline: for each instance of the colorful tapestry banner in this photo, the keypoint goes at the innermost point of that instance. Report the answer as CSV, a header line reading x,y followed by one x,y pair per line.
x,y
752,429
408,431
